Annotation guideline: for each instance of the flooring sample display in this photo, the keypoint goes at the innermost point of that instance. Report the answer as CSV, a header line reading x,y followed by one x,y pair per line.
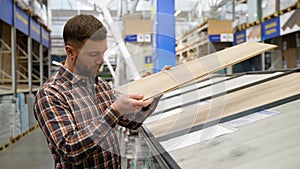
x,y
209,91
224,106
166,81
272,143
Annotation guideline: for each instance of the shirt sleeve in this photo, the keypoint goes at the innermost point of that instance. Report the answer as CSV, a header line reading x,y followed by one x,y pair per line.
x,y
58,124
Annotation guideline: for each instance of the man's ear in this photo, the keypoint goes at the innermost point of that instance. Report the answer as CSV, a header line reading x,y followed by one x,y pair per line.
x,y
71,53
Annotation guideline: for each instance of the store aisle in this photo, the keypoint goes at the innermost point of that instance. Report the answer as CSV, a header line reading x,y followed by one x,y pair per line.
x,y
30,152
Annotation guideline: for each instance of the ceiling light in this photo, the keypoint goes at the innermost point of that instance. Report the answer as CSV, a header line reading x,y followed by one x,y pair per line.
x,y
178,11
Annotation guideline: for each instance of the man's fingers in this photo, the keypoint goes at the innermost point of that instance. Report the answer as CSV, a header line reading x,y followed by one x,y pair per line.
x,y
149,101
135,96
167,67
139,103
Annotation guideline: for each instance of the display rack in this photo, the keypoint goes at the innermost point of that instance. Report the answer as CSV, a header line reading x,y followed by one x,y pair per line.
x,y
24,67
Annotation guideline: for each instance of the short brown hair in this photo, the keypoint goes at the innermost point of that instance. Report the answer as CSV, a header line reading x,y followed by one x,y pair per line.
x,y
81,27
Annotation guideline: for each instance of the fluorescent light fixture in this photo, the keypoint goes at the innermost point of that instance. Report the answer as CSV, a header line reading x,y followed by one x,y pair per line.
x,y
178,11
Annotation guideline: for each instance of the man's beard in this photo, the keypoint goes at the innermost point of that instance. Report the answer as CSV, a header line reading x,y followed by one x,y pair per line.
x,y
87,72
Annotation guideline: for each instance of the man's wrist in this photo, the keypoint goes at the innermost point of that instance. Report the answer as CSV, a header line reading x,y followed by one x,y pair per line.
x,y
115,111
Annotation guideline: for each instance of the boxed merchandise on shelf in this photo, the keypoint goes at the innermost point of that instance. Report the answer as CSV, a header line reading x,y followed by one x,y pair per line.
x,y
268,7
285,4
252,11
40,10
15,121
23,109
44,16
30,101
24,4
5,123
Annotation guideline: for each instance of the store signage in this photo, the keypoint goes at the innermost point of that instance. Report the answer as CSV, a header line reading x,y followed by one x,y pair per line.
x,y
289,22
22,21
131,38
6,14
271,29
45,38
35,30
138,38
148,59
215,38
240,37
221,38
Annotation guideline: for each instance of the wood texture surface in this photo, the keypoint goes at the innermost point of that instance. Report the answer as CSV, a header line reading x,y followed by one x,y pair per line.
x,y
230,104
271,143
167,81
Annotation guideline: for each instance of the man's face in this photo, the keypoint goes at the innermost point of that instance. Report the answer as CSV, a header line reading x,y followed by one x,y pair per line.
x,y
90,58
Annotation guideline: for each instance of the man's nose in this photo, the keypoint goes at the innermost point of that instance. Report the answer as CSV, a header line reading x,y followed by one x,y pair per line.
x,y
99,60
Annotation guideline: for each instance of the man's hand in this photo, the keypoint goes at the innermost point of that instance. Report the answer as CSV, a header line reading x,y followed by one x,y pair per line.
x,y
166,67
130,103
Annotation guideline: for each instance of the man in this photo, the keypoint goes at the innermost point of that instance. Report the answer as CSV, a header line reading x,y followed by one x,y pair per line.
x,y
78,111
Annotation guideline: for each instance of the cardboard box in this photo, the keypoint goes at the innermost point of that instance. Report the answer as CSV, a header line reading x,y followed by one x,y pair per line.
x,y
136,26
290,57
219,27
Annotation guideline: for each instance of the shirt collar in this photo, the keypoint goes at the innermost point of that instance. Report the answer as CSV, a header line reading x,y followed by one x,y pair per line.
x,y
70,76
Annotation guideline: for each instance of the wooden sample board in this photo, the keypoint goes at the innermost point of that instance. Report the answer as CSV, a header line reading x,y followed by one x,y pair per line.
x,y
224,106
211,90
165,81
271,143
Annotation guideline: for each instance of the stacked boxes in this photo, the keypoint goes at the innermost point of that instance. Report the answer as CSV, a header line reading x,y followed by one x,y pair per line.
x,y
268,7
287,3
6,107
30,101
23,109
5,132
16,116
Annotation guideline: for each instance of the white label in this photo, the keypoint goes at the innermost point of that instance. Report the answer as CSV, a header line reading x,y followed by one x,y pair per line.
x,y
230,37
224,38
140,37
147,37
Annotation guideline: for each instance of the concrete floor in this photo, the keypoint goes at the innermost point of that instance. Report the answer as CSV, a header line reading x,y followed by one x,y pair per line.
x,y
30,152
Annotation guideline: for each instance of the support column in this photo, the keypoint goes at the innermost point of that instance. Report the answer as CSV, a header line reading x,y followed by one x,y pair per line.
x,y
29,42
163,34
49,64
41,64
14,54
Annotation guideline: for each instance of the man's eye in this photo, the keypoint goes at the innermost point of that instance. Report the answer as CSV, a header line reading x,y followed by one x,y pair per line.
x,y
93,54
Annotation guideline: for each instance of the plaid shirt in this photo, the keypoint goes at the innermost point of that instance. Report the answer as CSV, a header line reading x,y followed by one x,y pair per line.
x,y
79,123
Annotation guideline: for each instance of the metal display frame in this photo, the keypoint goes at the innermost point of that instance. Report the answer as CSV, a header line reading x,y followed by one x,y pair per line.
x,y
165,159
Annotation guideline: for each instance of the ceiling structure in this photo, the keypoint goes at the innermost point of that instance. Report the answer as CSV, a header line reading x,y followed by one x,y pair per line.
x,y
189,13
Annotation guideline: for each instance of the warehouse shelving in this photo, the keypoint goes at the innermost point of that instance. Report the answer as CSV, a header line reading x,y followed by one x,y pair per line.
x,y
210,36
24,67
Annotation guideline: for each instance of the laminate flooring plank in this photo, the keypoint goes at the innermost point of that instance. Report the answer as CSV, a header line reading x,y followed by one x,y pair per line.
x,y
233,103
210,90
166,81
272,143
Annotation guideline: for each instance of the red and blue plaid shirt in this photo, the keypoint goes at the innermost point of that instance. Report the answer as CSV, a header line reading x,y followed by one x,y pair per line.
x,y
79,123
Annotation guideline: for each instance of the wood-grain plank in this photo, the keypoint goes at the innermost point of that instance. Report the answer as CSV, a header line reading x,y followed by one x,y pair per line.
x,y
167,81
230,104
272,143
